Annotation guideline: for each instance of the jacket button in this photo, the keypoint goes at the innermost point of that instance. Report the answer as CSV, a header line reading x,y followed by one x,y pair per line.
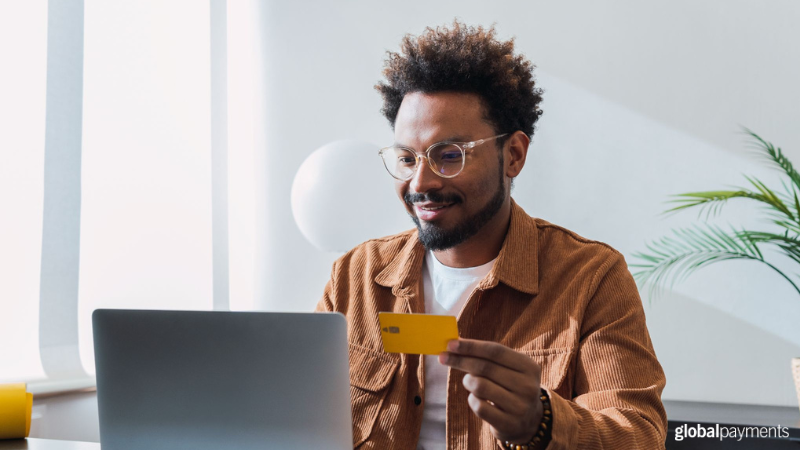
x,y
417,400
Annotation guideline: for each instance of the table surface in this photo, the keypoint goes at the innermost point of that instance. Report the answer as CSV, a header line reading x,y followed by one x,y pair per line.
x,y
677,411
46,444
732,414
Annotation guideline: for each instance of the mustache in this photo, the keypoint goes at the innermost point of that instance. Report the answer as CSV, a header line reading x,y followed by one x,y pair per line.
x,y
434,197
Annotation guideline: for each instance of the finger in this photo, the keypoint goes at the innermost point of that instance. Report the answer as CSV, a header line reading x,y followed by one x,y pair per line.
x,y
492,351
496,395
506,425
507,378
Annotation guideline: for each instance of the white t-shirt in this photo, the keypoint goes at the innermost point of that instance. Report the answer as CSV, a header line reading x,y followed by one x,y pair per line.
x,y
446,291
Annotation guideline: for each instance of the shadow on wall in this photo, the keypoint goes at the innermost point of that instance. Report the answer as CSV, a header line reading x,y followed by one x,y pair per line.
x,y
711,354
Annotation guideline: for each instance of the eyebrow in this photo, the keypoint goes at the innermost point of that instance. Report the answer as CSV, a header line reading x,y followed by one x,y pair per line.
x,y
452,138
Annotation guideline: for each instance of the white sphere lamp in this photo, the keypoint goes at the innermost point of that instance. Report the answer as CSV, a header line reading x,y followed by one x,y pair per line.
x,y
343,196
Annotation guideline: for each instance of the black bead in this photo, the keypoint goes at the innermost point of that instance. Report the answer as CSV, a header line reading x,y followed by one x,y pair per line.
x,y
417,400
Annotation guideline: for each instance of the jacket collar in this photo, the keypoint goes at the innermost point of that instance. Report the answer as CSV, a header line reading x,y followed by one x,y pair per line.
x,y
517,264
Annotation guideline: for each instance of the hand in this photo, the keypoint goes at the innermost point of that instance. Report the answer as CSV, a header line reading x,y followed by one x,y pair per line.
x,y
503,386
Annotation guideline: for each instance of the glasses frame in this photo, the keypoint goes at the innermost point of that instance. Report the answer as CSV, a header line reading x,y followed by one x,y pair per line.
x,y
463,146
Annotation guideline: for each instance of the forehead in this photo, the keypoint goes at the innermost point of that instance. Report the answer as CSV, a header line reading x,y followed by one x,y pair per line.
x,y
427,118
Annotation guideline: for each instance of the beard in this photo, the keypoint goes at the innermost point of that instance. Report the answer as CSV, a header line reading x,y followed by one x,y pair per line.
x,y
434,237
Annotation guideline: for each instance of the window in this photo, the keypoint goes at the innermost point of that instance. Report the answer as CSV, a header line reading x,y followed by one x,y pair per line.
x,y
146,177
158,86
22,101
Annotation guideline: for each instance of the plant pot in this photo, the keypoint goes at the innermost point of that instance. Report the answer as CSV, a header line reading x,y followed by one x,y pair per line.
x,y
796,374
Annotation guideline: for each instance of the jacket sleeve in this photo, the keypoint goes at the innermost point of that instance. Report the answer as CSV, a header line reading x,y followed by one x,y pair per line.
x,y
618,380
327,302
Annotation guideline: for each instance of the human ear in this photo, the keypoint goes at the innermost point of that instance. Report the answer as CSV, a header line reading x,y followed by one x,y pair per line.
x,y
515,153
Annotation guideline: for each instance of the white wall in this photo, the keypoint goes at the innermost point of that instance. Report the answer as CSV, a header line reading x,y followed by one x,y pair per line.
x,y
642,100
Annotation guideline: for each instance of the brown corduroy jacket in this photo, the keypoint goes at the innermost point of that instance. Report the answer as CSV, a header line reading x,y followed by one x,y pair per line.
x,y
567,302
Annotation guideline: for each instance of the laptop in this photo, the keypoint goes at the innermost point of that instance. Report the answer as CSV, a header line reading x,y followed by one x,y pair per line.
x,y
204,380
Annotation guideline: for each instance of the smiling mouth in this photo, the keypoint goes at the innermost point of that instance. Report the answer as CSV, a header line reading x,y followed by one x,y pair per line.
x,y
431,212
433,208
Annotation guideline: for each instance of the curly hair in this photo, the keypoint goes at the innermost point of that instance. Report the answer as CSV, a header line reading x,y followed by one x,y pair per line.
x,y
464,59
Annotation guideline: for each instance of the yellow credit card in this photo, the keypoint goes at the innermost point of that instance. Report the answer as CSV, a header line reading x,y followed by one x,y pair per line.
x,y
418,334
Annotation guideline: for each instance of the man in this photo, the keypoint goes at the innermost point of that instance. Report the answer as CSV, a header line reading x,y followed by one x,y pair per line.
x,y
554,351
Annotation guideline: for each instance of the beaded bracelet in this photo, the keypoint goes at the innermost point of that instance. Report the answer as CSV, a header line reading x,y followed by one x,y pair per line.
x,y
542,437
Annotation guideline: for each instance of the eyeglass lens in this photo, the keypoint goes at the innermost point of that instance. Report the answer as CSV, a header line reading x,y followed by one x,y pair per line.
x,y
445,159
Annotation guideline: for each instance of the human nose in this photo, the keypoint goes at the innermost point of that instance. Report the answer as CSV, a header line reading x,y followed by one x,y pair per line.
x,y
424,179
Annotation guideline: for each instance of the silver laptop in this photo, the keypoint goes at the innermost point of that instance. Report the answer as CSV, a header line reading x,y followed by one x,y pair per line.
x,y
205,380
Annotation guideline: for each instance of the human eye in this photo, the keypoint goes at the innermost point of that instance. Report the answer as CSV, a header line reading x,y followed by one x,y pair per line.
x,y
405,158
448,153
451,155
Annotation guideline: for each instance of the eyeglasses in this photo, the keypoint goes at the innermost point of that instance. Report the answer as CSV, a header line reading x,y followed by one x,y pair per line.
x,y
445,159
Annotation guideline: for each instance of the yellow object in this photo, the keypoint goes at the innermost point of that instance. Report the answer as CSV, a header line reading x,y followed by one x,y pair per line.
x,y
15,411
419,334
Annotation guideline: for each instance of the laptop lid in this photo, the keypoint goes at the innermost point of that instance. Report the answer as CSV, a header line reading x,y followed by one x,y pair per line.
x,y
205,380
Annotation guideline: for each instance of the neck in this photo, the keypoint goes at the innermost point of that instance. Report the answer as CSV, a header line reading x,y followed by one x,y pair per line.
x,y
481,248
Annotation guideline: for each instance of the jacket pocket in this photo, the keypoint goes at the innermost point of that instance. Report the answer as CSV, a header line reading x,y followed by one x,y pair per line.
x,y
556,369
371,372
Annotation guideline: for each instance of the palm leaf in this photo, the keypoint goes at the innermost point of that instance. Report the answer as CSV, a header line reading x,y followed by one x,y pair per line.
x,y
770,198
775,156
705,199
789,245
674,260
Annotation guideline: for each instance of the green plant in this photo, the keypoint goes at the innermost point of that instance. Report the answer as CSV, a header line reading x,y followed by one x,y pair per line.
x,y
675,258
